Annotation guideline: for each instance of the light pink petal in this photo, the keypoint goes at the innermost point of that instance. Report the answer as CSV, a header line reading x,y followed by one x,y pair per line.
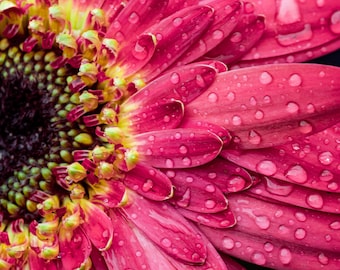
x,y
135,18
96,225
226,17
75,251
184,84
247,33
125,252
296,31
157,116
194,193
297,195
170,231
175,34
149,182
268,105
178,148
279,236
223,219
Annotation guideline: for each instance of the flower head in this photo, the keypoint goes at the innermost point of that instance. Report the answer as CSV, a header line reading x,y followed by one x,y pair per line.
x,y
112,129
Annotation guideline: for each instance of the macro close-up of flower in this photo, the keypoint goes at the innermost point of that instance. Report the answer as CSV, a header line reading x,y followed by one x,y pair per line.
x,y
167,134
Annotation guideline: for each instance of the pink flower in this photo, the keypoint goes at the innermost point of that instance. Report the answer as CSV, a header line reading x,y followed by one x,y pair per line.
x,y
125,139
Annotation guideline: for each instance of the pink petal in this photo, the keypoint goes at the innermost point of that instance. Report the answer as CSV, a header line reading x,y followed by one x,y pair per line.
x,y
135,18
36,262
170,231
312,162
297,195
97,260
223,219
225,19
125,251
268,105
184,84
195,193
149,182
155,116
107,193
175,34
76,251
247,33
178,148
296,31
96,225
136,54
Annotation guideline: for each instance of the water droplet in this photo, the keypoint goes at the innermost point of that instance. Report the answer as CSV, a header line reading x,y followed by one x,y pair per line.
x,y
323,259
183,149
133,18
166,242
285,256
231,96
263,222
228,243
254,137
326,158
300,233
236,120
217,34
236,37
292,107
210,188
278,187
213,97
269,247
293,38
305,127
169,163
186,161
335,225
147,186
300,216
333,186
210,204
297,174
295,80
315,201
174,78
177,21
259,115
258,258
267,99
335,22
189,179
266,167
178,135
185,200
266,78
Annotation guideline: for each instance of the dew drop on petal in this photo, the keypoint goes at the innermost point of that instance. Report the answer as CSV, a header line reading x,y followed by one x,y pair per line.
x,y
169,163
300,233
236,37
335,22
262,222
258,258
259,115
292,107
269,247
254,137
177,21
166,242
210,204
315,201
236,120
186,161
231,96
310,108
335,225
183,149
210,188
300,216
266,167
278,188
266,78
305,127
323,259
333,186
285,256
295,80
174,78
212,97
228,243
326,158
133,18
297,174
217,35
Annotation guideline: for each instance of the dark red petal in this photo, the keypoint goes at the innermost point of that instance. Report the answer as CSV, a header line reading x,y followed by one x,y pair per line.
x,y
178,148
155,116
170,231
268,105
149,182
